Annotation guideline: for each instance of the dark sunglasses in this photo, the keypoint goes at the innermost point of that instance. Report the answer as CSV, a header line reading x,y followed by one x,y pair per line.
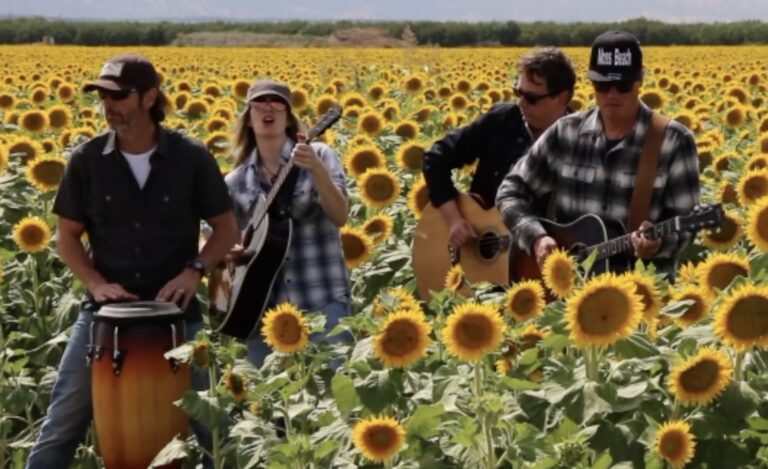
x,y
621,86
532,98
118,95
266,102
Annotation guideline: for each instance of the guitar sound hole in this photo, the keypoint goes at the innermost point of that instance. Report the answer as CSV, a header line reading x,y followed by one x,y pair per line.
x,y
488,245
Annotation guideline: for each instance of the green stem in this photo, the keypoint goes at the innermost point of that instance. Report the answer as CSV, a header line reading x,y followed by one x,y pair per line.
x,y
388,463
215,430
490,455
591,363
738,366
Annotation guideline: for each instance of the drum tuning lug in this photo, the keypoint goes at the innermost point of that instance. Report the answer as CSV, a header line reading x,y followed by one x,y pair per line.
x,y
117,361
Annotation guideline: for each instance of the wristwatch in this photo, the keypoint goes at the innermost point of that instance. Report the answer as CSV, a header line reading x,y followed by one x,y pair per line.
x,y
197,265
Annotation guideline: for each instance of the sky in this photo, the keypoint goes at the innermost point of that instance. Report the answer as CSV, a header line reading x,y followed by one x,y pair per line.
x,y
672,11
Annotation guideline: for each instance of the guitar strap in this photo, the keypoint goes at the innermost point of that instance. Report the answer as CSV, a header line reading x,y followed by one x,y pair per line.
x,y
640,202
281,206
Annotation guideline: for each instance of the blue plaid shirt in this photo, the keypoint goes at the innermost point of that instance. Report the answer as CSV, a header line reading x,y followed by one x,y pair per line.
x,y
314,273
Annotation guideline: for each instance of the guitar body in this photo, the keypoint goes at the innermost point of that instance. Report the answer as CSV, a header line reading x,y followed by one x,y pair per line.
x,y
251,287
576,237
482,260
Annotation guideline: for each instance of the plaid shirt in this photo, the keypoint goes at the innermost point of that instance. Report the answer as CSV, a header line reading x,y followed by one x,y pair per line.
x,y
314,273
571,160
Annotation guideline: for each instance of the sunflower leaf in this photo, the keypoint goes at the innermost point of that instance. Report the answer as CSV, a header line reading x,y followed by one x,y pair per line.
x,y
343,388
675,309
425,420
738,401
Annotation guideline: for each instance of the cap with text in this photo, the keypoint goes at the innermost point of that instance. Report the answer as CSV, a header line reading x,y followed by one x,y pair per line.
x,y
126,72
616,56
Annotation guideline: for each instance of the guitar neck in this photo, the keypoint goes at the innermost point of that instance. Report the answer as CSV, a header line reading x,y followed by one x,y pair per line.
x,y
624,243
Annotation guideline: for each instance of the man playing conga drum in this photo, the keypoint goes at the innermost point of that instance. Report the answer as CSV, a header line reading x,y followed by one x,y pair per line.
x,y
139,192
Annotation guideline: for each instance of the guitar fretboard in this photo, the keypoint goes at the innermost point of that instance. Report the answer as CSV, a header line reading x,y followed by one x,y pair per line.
x,y
624,243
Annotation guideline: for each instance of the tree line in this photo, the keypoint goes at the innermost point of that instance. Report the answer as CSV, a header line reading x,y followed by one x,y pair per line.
x,y
446,34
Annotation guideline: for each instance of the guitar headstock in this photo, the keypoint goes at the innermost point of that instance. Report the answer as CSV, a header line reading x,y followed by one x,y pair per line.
x,y
706,216
329,118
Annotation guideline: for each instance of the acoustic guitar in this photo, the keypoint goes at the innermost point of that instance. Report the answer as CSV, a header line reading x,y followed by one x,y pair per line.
x,y
590,233
484,259
243,291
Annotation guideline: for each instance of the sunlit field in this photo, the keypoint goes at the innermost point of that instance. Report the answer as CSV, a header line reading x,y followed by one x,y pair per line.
x,y
478,377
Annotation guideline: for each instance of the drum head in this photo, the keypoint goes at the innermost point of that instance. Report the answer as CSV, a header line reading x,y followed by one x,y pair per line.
x,y
139,309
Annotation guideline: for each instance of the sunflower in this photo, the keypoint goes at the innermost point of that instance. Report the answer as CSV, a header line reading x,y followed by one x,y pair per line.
x,y
418,197
559,273
525,300
370,123
379,187
324,102
59,117
736,116
759,161
407,129
695,311
455,280
723,162
654,99
402,339
7,101
757,224
719,270
378,438
217,143
240,88
727,194
410,156
66,92
362,158
741,320
196,108
458,102
413,84
378,227
472,330
727,235
201,353
675,443
31,234
299,99
395,299
645,287
33,121
353,99
604,311
45,172
701,378
181,99
285,329
357,246
752,185
531,336
422,114
236,384
376,92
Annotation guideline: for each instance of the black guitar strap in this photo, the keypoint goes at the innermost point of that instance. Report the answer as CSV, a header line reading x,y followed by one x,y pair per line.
x,y
281,206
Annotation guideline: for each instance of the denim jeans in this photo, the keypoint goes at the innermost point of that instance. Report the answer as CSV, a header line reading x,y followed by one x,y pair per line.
x,y
258,349
70,411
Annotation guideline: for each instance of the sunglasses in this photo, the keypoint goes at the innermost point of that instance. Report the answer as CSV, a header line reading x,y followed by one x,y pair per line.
x,y
264,103
621,86
118,95
532,98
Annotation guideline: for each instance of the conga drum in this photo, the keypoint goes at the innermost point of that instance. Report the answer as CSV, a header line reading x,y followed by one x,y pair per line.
x,y
134,385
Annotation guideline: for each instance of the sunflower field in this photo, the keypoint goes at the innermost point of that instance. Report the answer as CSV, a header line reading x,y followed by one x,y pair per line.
x,y
574,371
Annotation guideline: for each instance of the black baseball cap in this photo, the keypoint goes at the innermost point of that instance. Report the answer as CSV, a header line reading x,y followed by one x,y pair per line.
x,y
267,87
616,56
126,72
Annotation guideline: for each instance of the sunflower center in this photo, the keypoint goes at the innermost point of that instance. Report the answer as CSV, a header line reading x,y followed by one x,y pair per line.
x,y
353,246
728,230
287,329
723,274
603,312
48,172
32,235
695,311
524,302
749,318
379,187
473,331
363,161
380,438
762,225
671,445
400,338
700,377
413,157
756,187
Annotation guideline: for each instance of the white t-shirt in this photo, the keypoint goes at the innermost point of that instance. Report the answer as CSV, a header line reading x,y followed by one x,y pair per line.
x,y
139,163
